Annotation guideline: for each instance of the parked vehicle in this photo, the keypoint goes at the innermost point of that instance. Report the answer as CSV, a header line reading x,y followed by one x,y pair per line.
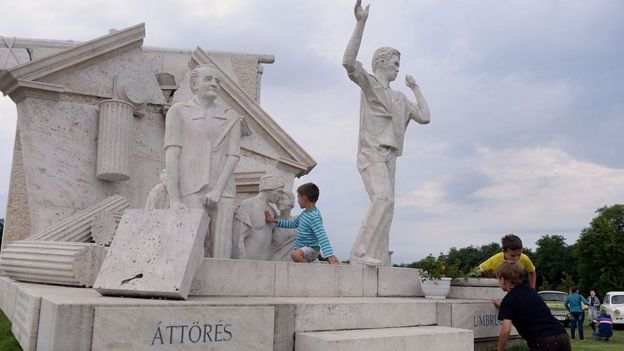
x,y
554,300
613,303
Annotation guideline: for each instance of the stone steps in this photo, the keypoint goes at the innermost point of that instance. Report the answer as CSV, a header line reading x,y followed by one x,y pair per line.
x,y
429,338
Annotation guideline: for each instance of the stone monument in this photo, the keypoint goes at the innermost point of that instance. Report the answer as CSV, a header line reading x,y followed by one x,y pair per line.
x,y
384,116
252,234
202,145
283,241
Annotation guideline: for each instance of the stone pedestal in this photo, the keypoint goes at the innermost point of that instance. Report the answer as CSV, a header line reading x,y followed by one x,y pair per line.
x,y
155,253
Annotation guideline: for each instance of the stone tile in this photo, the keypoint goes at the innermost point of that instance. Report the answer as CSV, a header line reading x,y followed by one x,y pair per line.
x,y
397,281
183,328
350,280
222,277
155,253
64,326
476,292
305,279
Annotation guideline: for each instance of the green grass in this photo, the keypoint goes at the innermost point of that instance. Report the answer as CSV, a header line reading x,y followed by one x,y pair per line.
x,y
7,341
616,343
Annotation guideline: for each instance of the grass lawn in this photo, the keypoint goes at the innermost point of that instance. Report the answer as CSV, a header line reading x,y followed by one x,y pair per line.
x,y
7,341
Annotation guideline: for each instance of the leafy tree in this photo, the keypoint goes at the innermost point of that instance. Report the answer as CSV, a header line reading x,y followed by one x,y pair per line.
x,y
552,257
599,251
566,282
471,256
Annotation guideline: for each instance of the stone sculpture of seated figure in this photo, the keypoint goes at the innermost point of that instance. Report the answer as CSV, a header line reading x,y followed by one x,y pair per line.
x,y
251,234
284,238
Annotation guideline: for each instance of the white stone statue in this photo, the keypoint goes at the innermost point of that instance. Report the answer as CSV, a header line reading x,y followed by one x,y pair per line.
x,y
252,234
283,241
158,198
202,143
384,116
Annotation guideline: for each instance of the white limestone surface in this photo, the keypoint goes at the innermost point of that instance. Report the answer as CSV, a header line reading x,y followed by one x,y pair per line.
x,y
481,318
429,338
25,324
155,253
397,281
183,328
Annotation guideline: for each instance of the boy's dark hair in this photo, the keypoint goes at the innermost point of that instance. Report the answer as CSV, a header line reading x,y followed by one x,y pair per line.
x,y
511,242
574,289
511,271
309,190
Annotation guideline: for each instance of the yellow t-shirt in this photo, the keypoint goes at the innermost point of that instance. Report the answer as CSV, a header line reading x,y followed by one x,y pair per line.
x,y
493,262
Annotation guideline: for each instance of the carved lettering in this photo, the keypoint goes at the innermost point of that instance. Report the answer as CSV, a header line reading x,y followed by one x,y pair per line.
x,y
193,333
486,320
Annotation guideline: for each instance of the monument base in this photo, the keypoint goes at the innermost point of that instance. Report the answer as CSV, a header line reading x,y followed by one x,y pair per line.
x,y
387,312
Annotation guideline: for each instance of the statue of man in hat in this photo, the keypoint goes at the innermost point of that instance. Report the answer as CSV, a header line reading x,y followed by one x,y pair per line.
x,y
252,234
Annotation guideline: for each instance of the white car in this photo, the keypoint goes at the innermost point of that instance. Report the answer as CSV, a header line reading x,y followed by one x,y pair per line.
x,y
614,305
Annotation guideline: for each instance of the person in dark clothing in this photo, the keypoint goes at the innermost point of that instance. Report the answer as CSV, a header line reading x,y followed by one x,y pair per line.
x,y
605,326
526,310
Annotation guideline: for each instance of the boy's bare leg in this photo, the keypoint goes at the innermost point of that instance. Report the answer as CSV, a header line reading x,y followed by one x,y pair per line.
x,y
298,256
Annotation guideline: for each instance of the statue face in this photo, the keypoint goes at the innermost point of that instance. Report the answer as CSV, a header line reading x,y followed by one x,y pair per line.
x,y
273,195
390,68
285,202
207,84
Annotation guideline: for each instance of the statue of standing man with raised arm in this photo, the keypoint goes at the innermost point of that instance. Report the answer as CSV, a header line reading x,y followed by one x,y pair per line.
x,y
202,148
384,116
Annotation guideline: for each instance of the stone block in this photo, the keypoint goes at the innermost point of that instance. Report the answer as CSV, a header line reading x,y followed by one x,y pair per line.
x,y
304,279
317,314
222,277
25,324
64,326
350,280
476,292
183,328
155,253
104,226
397,281
430,338
480,317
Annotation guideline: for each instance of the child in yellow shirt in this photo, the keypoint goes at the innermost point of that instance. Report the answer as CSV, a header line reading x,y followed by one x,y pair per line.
x,y
512,251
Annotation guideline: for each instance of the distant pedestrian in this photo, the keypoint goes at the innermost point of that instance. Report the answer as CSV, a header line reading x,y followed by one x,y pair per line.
x,y
573,303
594,306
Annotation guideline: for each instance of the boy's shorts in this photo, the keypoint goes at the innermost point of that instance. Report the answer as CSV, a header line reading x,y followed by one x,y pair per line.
x,y
310,253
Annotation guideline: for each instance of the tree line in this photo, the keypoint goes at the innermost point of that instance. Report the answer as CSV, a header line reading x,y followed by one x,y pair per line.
x,y
594,261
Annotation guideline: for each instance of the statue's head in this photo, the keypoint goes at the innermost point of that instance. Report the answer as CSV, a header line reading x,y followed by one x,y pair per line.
x,y
386,62
205,82
271,185
286,200
163,176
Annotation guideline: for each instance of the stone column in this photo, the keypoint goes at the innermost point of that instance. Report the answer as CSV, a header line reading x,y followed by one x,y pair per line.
x,y
104,225
53,262
77,227
115,126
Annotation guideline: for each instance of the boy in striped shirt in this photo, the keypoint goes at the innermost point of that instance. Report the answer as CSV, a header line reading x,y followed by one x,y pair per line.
x,y
311,238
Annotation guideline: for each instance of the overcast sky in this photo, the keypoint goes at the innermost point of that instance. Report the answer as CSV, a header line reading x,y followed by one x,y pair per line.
x,y
526,98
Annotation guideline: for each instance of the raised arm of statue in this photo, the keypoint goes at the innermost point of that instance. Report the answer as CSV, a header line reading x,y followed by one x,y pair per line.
x,y
420,111
350,55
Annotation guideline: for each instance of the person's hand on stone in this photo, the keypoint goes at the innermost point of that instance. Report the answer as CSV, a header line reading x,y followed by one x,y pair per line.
x,y
211,199
361,14
496,303
268,218
333,260
410,82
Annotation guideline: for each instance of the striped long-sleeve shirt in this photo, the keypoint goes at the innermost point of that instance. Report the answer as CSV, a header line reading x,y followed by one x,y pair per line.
x,y
310,231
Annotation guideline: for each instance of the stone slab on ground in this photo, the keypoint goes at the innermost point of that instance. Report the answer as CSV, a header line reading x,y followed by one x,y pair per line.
x,y
428,338
155,253
183,328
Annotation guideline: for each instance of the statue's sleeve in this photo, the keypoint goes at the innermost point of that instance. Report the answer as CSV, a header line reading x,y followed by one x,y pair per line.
x,y
173,128
362,78
234,139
